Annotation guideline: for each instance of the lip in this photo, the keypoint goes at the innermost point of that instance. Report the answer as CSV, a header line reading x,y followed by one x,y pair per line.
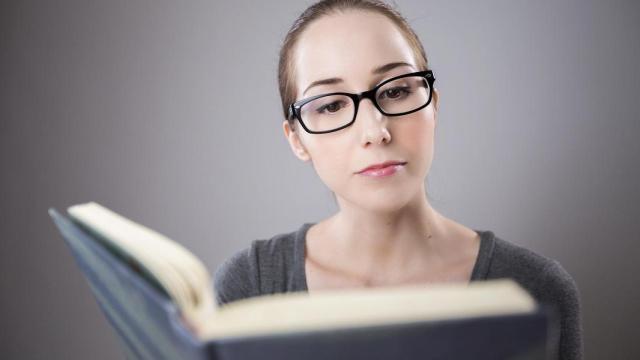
x,y
381,166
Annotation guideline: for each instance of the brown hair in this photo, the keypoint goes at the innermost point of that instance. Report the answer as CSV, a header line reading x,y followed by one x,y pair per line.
x,y
286,80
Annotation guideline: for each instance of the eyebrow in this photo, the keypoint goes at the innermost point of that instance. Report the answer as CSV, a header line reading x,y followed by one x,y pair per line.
x,y
379,70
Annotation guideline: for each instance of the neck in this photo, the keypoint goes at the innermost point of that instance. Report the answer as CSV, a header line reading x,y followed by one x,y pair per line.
x,y
385,240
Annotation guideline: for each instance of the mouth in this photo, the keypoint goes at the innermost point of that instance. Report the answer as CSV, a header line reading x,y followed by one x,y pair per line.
x,y
382,169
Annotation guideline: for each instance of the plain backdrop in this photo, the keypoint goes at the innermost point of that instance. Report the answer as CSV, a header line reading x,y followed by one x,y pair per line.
x,y
168,112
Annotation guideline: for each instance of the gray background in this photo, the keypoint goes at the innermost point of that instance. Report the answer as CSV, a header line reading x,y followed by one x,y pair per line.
x,y
168,113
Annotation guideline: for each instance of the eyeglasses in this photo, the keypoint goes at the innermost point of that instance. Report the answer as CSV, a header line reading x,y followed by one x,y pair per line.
x,y
396,96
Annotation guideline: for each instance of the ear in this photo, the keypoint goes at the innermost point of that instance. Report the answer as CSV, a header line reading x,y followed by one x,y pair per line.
x,y
294,142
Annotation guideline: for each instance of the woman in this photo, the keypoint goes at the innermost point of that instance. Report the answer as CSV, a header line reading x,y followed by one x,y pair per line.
x,y
359,104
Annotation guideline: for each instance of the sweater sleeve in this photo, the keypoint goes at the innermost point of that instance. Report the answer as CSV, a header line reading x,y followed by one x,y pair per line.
x,y
547,280
237,278
562,291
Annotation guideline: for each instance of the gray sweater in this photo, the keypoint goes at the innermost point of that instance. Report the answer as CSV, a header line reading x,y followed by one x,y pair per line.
x,y
277,265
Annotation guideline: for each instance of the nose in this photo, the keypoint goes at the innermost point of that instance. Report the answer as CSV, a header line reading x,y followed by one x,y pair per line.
x,y
373,124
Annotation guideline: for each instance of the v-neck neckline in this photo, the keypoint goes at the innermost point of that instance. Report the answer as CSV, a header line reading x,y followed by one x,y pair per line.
x,y
479,272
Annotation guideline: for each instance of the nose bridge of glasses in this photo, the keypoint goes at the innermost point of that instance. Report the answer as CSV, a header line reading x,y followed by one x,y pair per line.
x,y
369,94
373,108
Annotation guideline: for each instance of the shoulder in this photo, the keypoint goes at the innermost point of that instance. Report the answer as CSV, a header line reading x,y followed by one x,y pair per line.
x,y
254,270
549,283
545,276
235,278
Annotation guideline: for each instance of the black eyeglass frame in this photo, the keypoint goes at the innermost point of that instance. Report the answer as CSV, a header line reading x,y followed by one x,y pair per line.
x,y
294,109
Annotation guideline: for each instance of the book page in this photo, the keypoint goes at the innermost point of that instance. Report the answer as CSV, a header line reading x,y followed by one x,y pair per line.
x,y
179,272
291,312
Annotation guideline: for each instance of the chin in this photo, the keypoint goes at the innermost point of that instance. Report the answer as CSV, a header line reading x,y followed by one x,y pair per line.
x,y
382,200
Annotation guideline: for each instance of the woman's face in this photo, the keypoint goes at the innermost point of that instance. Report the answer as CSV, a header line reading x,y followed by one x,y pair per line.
x,y
349,46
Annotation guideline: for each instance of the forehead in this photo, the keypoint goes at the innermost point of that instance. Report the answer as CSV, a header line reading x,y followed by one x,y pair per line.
x,y
348,45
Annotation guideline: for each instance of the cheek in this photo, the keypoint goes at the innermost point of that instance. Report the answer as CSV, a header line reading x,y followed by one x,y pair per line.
x,y
416,134
330,155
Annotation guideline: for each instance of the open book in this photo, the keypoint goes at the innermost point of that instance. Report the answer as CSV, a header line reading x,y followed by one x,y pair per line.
x,y
115,252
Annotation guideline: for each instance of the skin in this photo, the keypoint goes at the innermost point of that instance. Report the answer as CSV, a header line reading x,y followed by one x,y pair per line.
x,y
385,232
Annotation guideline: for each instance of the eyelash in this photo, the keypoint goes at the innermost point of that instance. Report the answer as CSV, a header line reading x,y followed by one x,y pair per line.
x,y
404,89
323,107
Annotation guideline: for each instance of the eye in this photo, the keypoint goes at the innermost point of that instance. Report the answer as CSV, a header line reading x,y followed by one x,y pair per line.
x,y
395,92
330,107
